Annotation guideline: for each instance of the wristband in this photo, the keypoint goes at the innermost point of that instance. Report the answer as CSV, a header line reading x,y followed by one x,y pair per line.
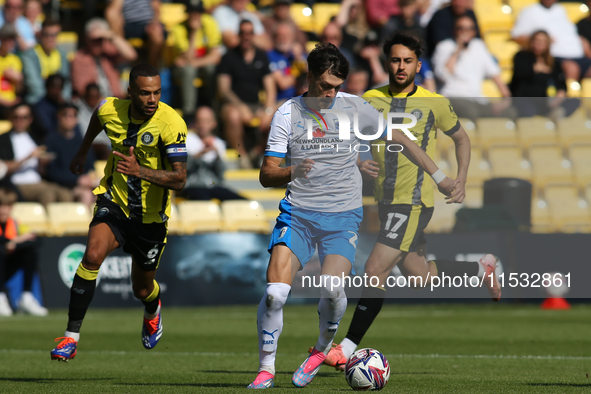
x,y
438,176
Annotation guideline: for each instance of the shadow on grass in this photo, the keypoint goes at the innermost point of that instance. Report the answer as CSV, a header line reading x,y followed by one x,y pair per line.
x,y
559,384
49,380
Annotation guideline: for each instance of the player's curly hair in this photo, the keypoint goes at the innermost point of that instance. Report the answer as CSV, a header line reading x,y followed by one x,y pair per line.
x,y
408,40
327,57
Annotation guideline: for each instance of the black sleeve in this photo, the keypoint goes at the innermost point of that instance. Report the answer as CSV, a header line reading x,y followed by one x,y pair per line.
x,y
523,69
558,76
6,152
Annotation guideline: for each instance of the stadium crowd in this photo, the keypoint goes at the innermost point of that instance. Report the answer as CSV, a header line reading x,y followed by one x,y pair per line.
x,y
239,62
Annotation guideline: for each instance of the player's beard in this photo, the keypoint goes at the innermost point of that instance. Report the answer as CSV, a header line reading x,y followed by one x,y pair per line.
x,y
140,108
410,78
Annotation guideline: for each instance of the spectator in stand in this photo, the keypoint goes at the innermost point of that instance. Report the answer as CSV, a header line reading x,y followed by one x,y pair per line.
x,y
10,69
461,65
357,82
64,144
18,249
333,33
441,25
566,47
33,13
13,14
138,19
286,61
281,14
22,154
101,146
205,161
407,21
537,75
45,111
230,17
380,11
44,60
356,32
197,48
96,62
242,73
427,8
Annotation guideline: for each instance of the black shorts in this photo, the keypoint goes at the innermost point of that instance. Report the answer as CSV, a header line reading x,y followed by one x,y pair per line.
x,y
145,242
402,225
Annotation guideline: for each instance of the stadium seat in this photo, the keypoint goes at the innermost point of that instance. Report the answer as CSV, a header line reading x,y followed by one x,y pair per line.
x,y
574,130
242,215
199,216
302,16
68,218
541,219
443,141
175,226
537,130
474,196
504,51
493,15
508,162
32,216
5,126
470,128
323,12
490,89
549,166
575,11
497,131
172,14
587,192
559,193
444,216
586,87
571,215
478,170
580,157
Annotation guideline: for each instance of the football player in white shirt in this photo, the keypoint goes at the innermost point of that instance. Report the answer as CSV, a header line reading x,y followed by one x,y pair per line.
x,y
322,207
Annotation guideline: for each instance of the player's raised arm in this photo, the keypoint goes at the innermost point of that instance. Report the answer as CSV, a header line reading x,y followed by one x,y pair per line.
x,y
94,128
419,158
462,144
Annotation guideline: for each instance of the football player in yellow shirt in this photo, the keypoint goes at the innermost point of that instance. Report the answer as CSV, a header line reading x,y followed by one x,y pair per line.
x,y
133,199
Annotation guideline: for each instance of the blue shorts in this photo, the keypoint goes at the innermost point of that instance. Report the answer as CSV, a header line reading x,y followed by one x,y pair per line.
x,y
302,230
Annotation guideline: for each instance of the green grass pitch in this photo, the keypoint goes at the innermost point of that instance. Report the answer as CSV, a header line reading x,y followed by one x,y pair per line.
x,y
431,349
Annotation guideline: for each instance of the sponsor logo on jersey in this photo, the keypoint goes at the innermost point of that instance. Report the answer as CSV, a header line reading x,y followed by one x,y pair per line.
x,y
282,232
147,138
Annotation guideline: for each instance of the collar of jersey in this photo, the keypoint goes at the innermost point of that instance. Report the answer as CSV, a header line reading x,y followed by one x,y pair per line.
x,y
403,94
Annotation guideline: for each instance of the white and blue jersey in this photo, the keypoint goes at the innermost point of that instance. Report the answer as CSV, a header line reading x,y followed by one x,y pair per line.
x,y
325,209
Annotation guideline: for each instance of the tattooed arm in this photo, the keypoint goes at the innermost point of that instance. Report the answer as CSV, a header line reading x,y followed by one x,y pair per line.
x,y
174,179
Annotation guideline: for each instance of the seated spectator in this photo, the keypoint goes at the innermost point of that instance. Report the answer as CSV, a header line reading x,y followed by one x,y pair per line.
x,y
461,65
64,144
197,49
441,25
138,19
566,46
101,145
407,21
242,73
45,111
205,161
33,13
17,250
44,60
229,18
10,69
332,33
286,61
96,62
22,154
281,14
13,14
355,30
379,11
537,74
357,82
427,8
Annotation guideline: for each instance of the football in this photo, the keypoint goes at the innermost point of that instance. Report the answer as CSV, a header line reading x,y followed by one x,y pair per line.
x,y
367,369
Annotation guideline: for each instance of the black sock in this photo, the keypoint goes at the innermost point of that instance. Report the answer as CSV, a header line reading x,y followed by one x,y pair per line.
x,y
456,268
81,295
367,310
152,306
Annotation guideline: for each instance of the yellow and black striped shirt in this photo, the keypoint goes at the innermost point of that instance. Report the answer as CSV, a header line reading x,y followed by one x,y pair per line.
x,y
158,142
399,181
